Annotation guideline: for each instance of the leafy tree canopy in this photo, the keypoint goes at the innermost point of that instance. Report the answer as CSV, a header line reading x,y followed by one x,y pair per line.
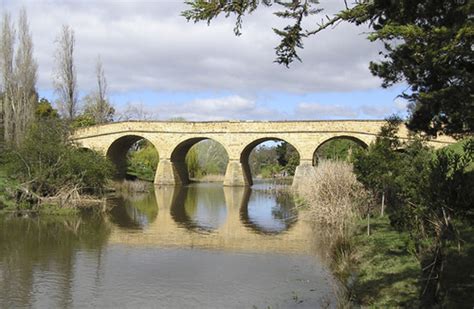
x,y
428,44
45,110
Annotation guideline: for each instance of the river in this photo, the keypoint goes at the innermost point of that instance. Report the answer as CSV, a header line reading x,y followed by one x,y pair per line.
x,y
201,246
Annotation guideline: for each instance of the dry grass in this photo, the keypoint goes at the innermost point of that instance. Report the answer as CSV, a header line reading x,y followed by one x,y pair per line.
x,y
69,197
334,196
210,178
132,186
336,201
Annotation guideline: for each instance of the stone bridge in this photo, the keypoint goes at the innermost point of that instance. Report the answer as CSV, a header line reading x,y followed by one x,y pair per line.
x,y
173,140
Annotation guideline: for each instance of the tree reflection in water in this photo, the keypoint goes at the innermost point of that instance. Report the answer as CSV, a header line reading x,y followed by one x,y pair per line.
x,y
28,246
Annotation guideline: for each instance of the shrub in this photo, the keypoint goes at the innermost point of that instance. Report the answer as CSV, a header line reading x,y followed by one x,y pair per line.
x,y
47,162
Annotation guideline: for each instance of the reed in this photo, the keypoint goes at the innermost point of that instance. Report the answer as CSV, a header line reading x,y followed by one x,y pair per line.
x,y
334,196
132,186
336,201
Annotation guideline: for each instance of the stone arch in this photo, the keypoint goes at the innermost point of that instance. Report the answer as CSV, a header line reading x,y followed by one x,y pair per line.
x,y
354,139
245,154
178,157
118,149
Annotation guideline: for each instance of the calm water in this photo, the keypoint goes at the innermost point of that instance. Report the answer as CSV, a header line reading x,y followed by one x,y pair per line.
x,y
202,246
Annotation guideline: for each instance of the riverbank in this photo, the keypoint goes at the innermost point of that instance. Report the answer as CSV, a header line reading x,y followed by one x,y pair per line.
x,y
387,272
379,269
11,203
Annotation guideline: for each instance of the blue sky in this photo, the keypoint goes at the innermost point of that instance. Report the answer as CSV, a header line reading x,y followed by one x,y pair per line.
x,y
159,66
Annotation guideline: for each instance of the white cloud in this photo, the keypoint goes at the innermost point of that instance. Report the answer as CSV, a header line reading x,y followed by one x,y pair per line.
x,y
332,111
224,108
147,45
318,111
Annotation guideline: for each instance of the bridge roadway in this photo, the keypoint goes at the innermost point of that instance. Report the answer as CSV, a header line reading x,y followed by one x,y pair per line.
x,y
173,140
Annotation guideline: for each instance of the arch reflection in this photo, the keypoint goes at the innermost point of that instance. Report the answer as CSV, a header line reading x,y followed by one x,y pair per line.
x,y
133,210
268,212
199,208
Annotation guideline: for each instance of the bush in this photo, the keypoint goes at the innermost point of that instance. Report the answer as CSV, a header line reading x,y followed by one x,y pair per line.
x,y
47,162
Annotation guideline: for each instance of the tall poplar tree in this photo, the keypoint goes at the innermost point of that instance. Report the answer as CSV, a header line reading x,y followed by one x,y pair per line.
x,y
19,74
65,82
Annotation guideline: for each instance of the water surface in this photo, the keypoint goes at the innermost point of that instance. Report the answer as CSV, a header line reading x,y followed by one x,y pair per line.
x,y
201,246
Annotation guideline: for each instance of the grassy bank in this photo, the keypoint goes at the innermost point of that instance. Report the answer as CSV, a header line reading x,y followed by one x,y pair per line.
x,y
386,271
6,184
380,270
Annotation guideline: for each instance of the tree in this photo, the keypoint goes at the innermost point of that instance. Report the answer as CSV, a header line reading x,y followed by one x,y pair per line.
x,y
65,78
26,96
192,163
429,193
7,52
287,157
97,105
427,44
212,157
45,110
376,167
19,69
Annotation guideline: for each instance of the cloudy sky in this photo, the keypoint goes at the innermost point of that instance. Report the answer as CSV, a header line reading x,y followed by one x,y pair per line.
x,y
158,63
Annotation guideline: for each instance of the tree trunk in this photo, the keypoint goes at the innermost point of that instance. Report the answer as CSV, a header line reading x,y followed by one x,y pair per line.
x,y
383,204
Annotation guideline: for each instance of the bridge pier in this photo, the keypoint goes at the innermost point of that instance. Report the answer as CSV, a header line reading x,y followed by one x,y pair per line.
x,y
171,173
302,173
237,174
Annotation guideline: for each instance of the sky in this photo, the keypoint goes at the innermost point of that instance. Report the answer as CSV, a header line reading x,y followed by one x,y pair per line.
x,y
159,66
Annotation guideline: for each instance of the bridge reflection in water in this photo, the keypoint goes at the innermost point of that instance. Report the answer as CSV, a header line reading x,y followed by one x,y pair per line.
x,y
213,217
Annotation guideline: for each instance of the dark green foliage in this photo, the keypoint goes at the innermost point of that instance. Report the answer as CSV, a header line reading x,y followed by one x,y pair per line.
x,y
47,162
427,45
44,109
429,192
287,157
375,167
337,149
260,157
268,161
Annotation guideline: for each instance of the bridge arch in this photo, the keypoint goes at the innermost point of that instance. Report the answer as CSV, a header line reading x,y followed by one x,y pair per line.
x,y
117,152
178,157
353,141
245,155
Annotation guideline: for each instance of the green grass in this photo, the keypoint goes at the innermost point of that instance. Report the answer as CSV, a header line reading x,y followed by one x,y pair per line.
x,y
387,272
458,277
6,182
